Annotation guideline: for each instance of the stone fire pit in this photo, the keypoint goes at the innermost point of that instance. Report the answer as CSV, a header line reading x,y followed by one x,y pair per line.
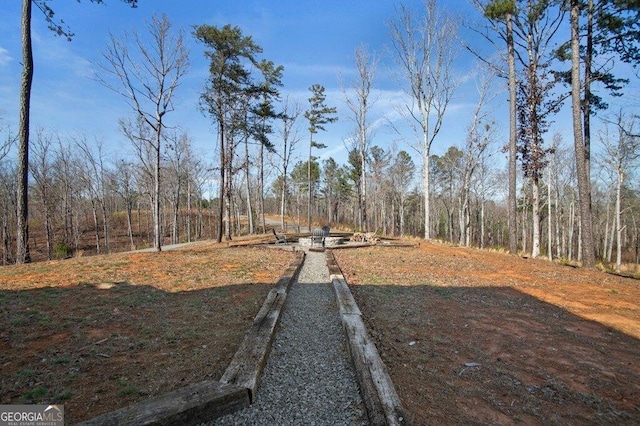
x,y
328,241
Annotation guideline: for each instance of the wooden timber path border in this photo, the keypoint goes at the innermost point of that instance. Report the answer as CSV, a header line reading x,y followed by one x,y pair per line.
x,y
202,402
378,393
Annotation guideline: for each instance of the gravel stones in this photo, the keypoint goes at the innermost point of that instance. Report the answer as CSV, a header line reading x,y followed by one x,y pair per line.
x,y
309,378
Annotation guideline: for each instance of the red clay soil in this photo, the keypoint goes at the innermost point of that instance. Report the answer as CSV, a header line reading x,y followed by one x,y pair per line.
x,y
99,333
480,337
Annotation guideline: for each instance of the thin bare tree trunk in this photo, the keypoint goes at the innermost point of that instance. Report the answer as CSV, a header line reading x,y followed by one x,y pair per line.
x,y
524,223
129,226
619,221
549,221
261,190
189,209
482,224
94,212
248,186
535,216
608,230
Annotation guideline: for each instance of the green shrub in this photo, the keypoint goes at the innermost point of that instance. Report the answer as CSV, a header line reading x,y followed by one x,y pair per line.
x,y
61,251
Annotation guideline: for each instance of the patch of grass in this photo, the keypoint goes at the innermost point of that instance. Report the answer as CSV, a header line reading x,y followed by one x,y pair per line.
x,y
19,320
35,394
43,319
126,388
27,372
443,292
64,396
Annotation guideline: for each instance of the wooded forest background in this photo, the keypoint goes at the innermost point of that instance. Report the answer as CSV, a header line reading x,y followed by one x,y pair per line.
x,y
83,200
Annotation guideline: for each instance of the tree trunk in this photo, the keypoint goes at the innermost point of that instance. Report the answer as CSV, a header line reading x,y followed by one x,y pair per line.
x,y
94,211
482,224
105,226
188,208
608,225
247,164
559,249
47,227
5,237
176,211
250,222
261,190
200,222
612,234
129,225
586,101
579,238
461,229
549,220
401,212
283,203
222,183
619,221
363,180
571,231
309,184
584,185
156,193
535,216
425,185
512,204
228,202
524,223
22,242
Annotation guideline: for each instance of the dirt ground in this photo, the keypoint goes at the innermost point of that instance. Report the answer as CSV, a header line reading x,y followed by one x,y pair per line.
x,y
479,337
469,336
99,333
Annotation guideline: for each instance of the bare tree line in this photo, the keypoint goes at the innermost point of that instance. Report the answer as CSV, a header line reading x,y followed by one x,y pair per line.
x,y
462,196
83,197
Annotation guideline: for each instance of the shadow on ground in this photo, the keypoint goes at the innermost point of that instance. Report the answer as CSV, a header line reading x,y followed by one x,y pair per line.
x,y
96,347
494,355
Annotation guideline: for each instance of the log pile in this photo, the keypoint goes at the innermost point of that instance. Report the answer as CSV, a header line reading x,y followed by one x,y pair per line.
x,y
365,237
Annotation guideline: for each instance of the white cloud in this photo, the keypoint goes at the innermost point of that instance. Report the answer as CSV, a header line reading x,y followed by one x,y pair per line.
x,y
4,56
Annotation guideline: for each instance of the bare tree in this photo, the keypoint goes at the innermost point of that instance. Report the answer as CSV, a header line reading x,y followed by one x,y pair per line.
x,y
479,134
621,154
290,138
94,175
126,188
7,206
425,51
42,171
66,167
401,173
359,103
177,166
147,73
7,198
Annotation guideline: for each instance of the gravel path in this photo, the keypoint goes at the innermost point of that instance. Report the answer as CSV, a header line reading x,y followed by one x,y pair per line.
x,y
308,379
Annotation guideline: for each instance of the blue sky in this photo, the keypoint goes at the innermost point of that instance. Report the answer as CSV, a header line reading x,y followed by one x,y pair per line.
x,y
315,41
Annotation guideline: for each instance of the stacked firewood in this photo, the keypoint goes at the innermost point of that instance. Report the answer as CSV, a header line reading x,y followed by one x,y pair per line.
x,y
365,237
